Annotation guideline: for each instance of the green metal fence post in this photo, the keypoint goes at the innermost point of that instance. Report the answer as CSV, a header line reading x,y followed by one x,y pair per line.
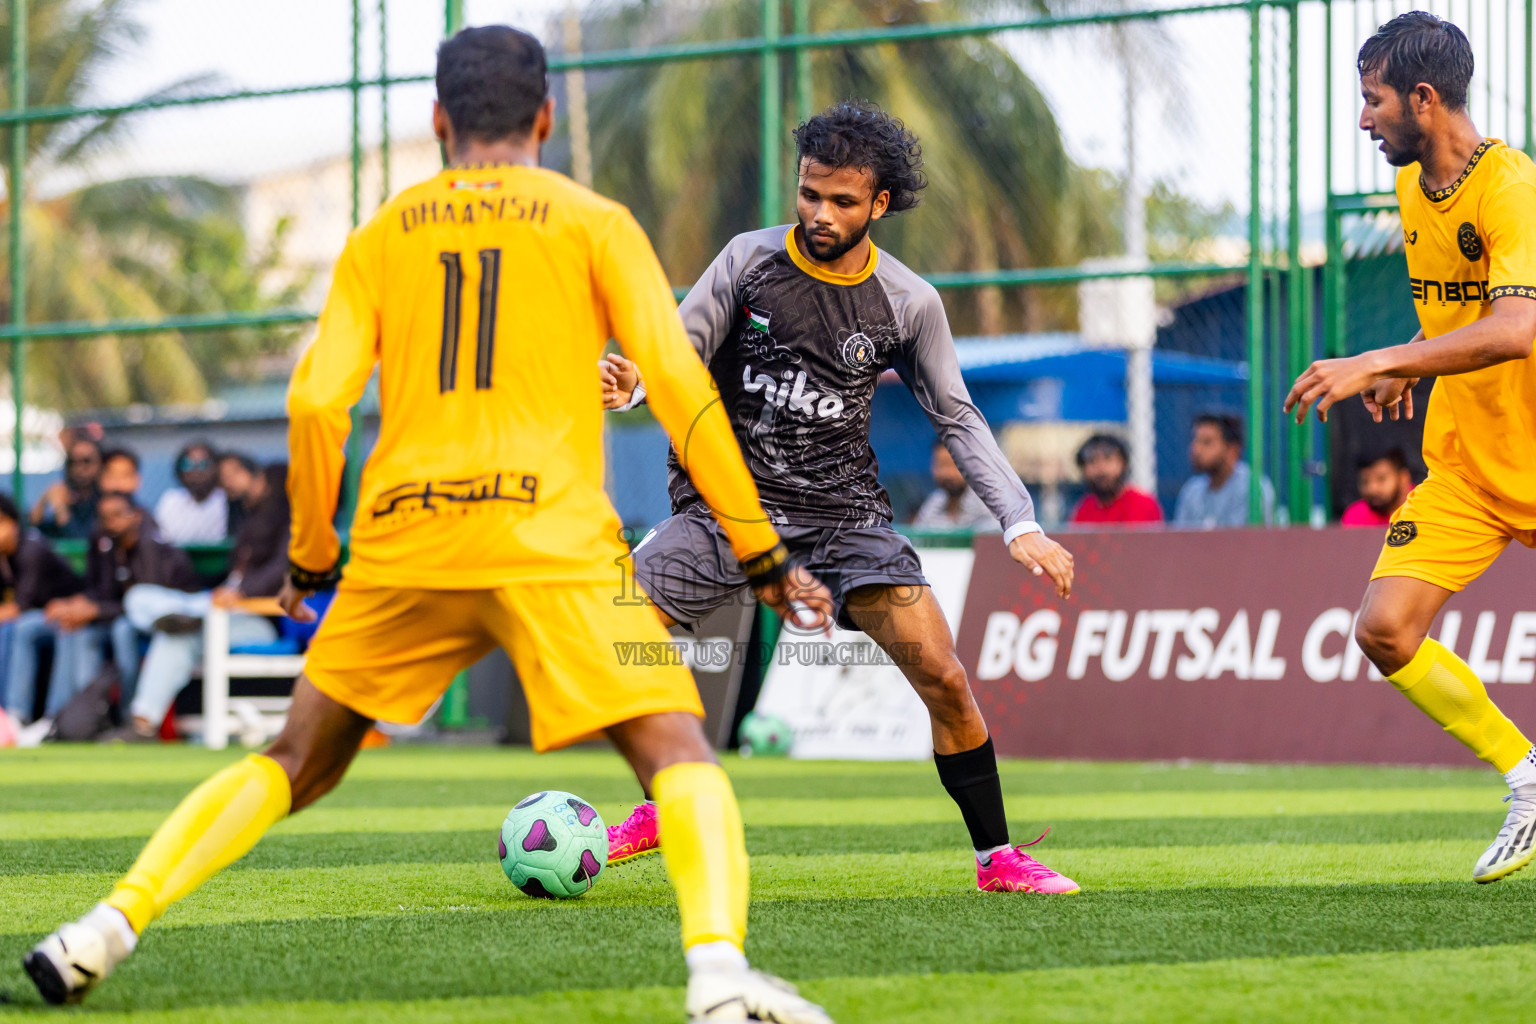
x,y
383,102
454,713
1255,275
1274,302
1330,230
18,190
1530,79
1300,330
804,95
771,120
352,476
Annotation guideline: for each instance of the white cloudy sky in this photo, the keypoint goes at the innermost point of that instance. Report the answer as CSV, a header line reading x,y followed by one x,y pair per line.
x,y
287,42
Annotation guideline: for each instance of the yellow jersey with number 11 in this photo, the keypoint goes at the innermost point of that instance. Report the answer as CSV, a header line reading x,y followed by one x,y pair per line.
x,y
485,296
1467,245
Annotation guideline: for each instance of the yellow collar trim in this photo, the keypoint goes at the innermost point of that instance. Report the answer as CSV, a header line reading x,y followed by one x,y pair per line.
x,y
826,275
1440,195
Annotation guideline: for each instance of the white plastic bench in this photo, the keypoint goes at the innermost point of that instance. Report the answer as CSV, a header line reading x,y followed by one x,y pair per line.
x,y
261,717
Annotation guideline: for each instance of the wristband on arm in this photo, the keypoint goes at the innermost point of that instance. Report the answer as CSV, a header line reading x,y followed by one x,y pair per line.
x,y
769,567
305,579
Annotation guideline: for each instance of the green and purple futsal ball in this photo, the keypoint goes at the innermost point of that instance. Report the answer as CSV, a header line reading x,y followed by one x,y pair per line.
x,y
764,736
553,845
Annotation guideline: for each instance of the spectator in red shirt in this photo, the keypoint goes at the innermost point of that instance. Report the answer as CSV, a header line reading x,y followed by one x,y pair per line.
x,y
1385,481
1103,460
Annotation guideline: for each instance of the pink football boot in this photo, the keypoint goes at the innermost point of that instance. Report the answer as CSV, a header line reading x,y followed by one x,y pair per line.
x,y
636,836
1012,870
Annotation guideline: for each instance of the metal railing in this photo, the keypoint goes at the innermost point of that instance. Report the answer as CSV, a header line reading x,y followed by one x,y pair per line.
x,y
1273,262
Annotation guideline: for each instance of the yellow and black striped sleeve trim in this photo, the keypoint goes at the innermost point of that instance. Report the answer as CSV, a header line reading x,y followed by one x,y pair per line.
x,y
1524,291
1440,195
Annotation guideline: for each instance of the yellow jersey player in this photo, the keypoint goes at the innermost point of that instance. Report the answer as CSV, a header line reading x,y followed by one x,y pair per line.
x,y
483,296
1469,226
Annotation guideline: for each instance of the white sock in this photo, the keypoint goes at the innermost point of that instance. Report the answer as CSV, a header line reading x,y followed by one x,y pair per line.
x,y
715,956
108,920
984,857
1523,773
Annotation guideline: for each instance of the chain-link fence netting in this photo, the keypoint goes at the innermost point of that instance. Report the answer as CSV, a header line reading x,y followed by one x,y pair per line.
x,y
1368,300
1099,174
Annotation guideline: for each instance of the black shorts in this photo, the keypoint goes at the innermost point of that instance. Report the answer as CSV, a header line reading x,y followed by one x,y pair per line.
x,y
685,564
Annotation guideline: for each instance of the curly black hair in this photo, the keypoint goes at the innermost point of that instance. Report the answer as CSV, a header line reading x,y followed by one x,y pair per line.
x,y
856,133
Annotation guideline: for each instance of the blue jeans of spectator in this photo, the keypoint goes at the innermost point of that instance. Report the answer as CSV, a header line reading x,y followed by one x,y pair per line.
x,y
79,654
23,638
172,659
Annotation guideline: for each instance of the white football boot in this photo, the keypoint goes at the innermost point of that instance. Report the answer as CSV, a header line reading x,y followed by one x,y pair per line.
x,y
1515,845
742,994
79,956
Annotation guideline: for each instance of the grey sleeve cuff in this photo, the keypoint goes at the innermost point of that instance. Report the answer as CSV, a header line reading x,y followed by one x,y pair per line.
x,y
1020,530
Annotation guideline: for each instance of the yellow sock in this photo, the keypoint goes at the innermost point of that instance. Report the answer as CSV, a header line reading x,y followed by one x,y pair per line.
x,y
214,826
705,851
1446,689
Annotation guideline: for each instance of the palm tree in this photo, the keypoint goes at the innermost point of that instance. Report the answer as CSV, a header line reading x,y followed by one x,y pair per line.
x,y
136,249
678,143
143,248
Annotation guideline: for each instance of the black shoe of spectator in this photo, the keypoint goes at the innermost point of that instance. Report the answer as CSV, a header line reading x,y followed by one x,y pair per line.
x,y
128,732
178,625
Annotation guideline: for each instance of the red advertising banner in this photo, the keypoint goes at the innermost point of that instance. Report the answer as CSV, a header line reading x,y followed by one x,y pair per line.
x,y
1226,645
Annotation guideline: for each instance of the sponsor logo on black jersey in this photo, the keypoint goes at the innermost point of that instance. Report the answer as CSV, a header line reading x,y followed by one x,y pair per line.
x,y
1401,533
792,392
1467,241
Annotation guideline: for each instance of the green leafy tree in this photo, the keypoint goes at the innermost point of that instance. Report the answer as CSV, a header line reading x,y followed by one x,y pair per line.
x,y
679,144
141,248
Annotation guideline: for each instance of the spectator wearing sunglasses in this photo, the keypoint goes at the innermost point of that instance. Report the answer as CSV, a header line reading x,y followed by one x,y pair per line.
x,y
197,512
68,507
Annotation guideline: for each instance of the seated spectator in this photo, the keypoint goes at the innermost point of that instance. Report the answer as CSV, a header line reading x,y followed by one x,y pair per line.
x,y
236,472
31,575
260,565
120,472
68,507
122,554
197,512
952,505
1217,495
1104,461
1385,481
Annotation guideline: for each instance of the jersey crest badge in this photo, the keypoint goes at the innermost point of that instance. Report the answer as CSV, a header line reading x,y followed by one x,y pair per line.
x,y
858,351
1402,531
1467,241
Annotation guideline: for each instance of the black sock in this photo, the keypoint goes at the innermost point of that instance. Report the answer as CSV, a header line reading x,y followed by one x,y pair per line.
x,y
970,778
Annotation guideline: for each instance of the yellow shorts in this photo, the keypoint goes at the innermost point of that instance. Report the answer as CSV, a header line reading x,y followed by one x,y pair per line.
x,y
1444,535
388,653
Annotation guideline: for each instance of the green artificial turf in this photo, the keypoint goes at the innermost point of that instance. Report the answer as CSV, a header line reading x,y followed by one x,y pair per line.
x,y
1211,893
